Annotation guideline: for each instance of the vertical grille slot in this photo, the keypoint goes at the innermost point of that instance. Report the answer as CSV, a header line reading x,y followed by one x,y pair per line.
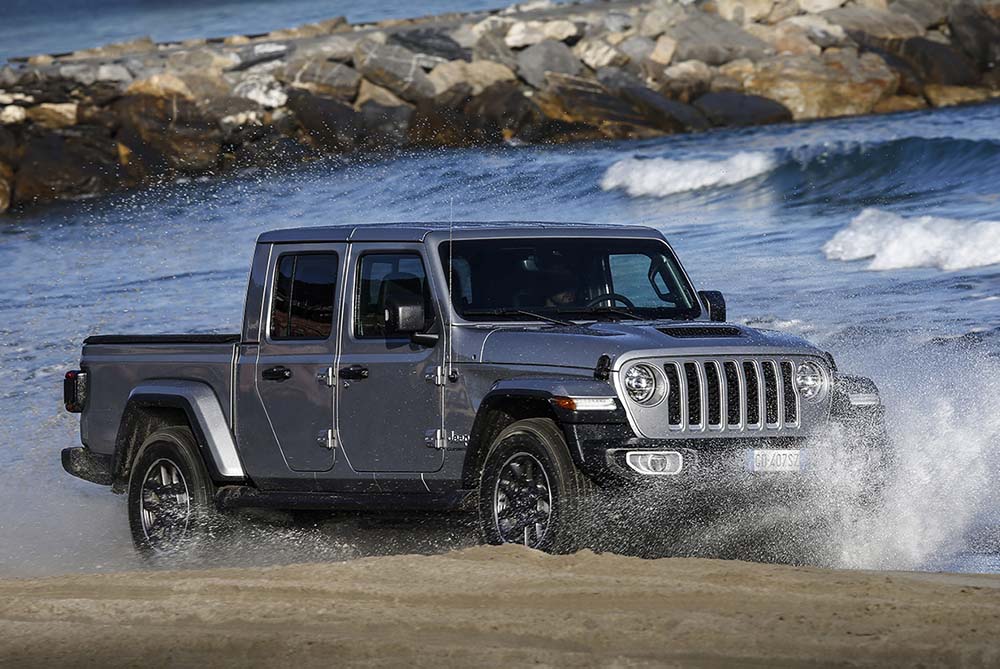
x,y
791,399
674,398
752,394
771,399
694,393
714,393
733,417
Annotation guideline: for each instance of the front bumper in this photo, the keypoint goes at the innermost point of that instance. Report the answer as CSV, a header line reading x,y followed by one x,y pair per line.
x,y
84,464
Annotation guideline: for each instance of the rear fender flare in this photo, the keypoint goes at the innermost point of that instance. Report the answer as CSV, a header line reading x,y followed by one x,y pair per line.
x,y
204,414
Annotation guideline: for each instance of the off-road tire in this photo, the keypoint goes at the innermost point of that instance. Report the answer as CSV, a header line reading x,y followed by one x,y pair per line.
x,y
170,454
537,440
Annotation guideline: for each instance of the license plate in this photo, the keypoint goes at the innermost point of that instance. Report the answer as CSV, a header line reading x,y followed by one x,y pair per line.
x,y
773,460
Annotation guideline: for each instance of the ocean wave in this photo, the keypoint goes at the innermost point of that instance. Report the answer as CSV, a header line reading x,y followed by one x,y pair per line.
x,y
661,176
895,242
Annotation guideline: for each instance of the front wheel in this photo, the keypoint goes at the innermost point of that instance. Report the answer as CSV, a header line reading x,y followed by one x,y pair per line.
x,y
170,495
530,492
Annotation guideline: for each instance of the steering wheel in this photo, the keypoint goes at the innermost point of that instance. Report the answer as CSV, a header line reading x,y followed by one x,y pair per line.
x,y
614,297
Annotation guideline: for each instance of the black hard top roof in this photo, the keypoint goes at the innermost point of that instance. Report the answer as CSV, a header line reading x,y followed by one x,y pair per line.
x,y
418,232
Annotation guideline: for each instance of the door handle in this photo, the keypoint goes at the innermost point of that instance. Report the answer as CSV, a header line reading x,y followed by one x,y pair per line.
x,y
354,372
276,374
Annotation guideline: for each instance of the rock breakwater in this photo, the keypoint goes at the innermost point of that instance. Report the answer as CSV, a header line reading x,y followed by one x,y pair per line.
x,y
124,115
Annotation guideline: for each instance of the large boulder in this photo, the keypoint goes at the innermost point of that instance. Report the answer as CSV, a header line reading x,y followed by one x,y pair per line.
x,y
56,166
502,113
820,32
745,11
477,75
168,133
874,27
947,96
431,42
589,110
785,38
547,56
939,63
729,108
321,77
817,6
975,26
927,13
596,53
6,186
328,123
686,81
53,115
491,46
713,40
667,115
393,67
841,83
899,103
164,85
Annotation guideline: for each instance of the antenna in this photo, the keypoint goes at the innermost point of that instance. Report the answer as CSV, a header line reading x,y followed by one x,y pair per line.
x,y
451,301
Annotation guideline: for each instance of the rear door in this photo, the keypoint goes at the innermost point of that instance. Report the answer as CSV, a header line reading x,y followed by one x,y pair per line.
x,y
297,352
386,405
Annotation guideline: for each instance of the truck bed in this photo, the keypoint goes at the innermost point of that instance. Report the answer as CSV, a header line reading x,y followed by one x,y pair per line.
x,y
116,364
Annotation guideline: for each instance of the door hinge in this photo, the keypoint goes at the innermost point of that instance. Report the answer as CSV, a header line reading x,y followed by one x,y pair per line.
x,y
436,439
439,376
326,377
436,376
326,439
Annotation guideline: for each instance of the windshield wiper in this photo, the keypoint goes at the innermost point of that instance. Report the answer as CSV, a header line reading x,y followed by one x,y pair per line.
x,y
618,311
517,312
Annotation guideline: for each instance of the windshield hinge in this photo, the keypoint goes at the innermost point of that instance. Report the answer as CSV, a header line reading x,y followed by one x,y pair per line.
x,y
436,439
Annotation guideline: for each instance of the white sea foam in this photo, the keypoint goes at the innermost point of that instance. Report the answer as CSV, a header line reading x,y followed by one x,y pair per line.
x,y
659,177
894,242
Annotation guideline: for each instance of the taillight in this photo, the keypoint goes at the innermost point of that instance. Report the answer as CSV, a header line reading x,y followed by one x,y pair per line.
x,y
75,390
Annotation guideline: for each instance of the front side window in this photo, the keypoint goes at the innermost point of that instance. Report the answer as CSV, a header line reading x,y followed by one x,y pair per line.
x,y
304,289
569,278
382,279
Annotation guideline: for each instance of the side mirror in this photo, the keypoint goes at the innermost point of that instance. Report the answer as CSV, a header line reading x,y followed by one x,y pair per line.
x,y
715,303
405,316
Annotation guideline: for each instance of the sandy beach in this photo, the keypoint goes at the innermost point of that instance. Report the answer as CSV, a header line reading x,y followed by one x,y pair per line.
x,y
503,606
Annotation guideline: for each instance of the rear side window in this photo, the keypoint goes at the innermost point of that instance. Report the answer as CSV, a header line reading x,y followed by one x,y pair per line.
x,y
305,284
381,275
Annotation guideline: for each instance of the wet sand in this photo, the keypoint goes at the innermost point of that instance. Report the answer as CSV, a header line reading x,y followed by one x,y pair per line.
x,y
503,606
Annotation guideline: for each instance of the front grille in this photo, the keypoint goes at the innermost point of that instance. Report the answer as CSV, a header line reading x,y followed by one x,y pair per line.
x,y
731,395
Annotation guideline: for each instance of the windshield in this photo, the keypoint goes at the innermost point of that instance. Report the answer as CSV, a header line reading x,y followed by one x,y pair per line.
x,y
525,279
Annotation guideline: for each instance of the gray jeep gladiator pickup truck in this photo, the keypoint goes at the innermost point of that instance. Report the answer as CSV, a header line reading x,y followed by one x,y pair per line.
x,y
516,368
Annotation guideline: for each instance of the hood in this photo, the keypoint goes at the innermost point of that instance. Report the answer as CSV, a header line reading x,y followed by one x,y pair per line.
x,y
581,346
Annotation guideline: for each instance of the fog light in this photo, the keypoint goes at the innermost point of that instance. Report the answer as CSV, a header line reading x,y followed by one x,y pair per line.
x,y
655,463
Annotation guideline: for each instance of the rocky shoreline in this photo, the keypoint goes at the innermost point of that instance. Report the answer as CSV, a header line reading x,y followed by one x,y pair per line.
x,y
125,115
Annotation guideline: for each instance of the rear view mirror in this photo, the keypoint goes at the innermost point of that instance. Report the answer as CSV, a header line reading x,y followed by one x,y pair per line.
x,y
715,303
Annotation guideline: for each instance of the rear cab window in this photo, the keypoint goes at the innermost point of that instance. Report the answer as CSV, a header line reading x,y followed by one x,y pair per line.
x,y
302,305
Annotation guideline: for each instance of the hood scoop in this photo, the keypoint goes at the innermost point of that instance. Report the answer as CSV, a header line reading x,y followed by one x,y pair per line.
x,y
701,331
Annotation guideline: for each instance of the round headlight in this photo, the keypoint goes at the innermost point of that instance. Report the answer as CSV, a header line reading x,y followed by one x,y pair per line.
x,y
645,385
811,381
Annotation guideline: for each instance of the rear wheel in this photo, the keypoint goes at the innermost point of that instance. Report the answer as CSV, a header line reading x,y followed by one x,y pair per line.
x,y
530,492
170,495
